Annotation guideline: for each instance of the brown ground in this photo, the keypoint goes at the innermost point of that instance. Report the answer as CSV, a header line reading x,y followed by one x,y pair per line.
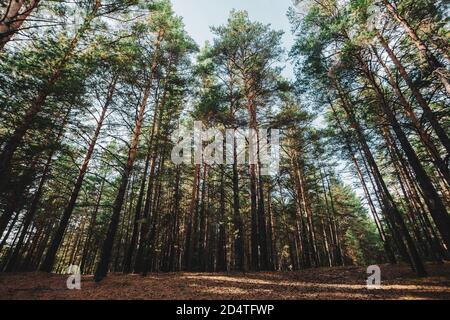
x,y
398,282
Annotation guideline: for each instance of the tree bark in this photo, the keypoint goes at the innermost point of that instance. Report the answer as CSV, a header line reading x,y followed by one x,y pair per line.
x,y
221,243
424,51
427,112
432,198
105,257
387,246
14,141
13,19
50,256
387,199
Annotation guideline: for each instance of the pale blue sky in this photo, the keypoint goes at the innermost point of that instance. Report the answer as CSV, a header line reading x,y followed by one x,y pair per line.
x,y
199,15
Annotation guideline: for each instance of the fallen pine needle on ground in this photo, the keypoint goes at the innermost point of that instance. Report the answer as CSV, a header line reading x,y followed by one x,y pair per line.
x,y
398,282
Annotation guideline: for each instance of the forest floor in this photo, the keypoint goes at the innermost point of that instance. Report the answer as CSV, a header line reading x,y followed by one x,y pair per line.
x,y
398,282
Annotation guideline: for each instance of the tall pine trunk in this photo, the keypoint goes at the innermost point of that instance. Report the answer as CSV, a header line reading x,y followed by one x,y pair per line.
x,y
15,140
427,112
50,256
432,198
105,257
399,227
221,242
424,51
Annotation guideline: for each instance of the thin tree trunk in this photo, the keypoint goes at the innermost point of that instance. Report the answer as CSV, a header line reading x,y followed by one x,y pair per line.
x,y
271,235
221,243
432,198
14,141
175,224
423,49
137,216
239,245
192,216
427,112
386,244
92,224
388,202
49,260
105,257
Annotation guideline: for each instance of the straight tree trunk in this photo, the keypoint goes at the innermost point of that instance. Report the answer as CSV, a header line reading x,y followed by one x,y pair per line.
x,y
305,202
432,198
175,224
387,199
49,260
239,245
154,144
4,219
259,258
92,224
386,244
301,229
405,183
105,257
190,229
335,227
263,228
271,235
427,112
423,49
137,216
15,140
221,243
202,234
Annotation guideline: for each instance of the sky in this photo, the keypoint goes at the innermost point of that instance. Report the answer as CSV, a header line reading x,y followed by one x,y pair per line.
x,y
199,15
